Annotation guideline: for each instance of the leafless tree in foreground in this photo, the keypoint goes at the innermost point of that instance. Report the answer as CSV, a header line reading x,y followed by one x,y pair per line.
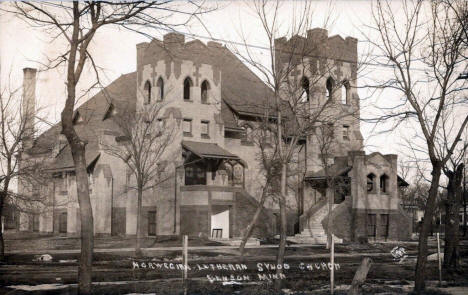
x,y
76,23
267,155
143,142
17,129
406,40
287,109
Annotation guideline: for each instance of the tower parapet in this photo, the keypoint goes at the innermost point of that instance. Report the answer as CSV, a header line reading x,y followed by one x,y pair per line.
x,y
317,44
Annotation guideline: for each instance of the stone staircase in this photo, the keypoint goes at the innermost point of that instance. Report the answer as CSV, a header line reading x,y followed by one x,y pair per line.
x,y
312,229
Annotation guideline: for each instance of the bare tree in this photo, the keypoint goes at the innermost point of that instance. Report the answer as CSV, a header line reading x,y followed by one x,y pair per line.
x,y
287,107
405,40
267,156
77,23
143,142
17,128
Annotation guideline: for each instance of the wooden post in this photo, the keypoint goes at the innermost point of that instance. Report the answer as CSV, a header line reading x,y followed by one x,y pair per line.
x,y
185,255
185,261
360,276
438,260
332,269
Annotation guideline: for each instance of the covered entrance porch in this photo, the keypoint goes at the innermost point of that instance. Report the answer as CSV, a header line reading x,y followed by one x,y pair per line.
x,y
208,196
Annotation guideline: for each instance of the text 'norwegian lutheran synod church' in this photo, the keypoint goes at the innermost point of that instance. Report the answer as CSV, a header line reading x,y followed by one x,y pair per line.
x,y
216,101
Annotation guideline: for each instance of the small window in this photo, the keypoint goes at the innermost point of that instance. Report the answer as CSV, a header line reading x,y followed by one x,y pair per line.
x,y
330,85
187,88
345,92
187,126
305,90
345,132
151,223
370,182
195,174
205,129
161,124
161,88
384,183
147,92
205,87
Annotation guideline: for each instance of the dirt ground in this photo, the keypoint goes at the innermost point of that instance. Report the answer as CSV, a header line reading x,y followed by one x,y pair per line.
x,y
307,273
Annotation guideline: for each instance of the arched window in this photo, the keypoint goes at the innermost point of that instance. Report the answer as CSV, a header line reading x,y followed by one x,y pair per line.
x,y
345,92
384,183
305,90
147,92
161,88
371,182
187,88
330,85
205,86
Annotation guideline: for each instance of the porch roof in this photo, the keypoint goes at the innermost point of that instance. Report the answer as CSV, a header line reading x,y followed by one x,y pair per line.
x,y
208,150
334,171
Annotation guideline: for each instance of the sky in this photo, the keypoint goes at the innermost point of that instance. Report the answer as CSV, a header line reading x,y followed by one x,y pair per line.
x,y
114,49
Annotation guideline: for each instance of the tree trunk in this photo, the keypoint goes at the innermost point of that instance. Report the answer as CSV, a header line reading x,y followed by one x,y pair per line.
x,y
2,242
330,199
138,252
360,276
452,218
86,216
253,222
419,284
283,225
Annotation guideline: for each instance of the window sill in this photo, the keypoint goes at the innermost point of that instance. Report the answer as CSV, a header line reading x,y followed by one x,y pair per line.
x,y
188,134
207,103
205,136
188,100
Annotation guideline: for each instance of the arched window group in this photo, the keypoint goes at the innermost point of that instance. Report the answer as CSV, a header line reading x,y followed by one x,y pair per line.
x,y
204,90
345,90
371,185
148,90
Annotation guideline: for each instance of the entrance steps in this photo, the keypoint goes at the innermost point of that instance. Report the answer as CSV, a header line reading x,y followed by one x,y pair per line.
x,y
313,231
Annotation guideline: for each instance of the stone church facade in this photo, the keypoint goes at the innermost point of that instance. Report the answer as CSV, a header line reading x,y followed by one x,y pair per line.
x,y
215,102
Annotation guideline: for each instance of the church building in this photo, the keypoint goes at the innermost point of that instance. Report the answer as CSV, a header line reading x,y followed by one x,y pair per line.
x,y
215,101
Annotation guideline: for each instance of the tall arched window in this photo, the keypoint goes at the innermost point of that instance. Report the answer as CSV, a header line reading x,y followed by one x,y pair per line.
x,y
330,85
371,182
187,88
345,92
384,183
305,90
161,88
205,87
147,92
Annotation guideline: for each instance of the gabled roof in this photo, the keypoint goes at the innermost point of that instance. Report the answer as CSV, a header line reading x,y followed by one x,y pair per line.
x,y
208,150
121,93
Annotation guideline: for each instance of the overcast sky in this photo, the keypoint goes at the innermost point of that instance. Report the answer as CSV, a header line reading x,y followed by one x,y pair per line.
x,y
114,50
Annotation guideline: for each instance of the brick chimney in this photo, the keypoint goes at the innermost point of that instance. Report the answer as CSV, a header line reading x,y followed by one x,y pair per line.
x,y
29,105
